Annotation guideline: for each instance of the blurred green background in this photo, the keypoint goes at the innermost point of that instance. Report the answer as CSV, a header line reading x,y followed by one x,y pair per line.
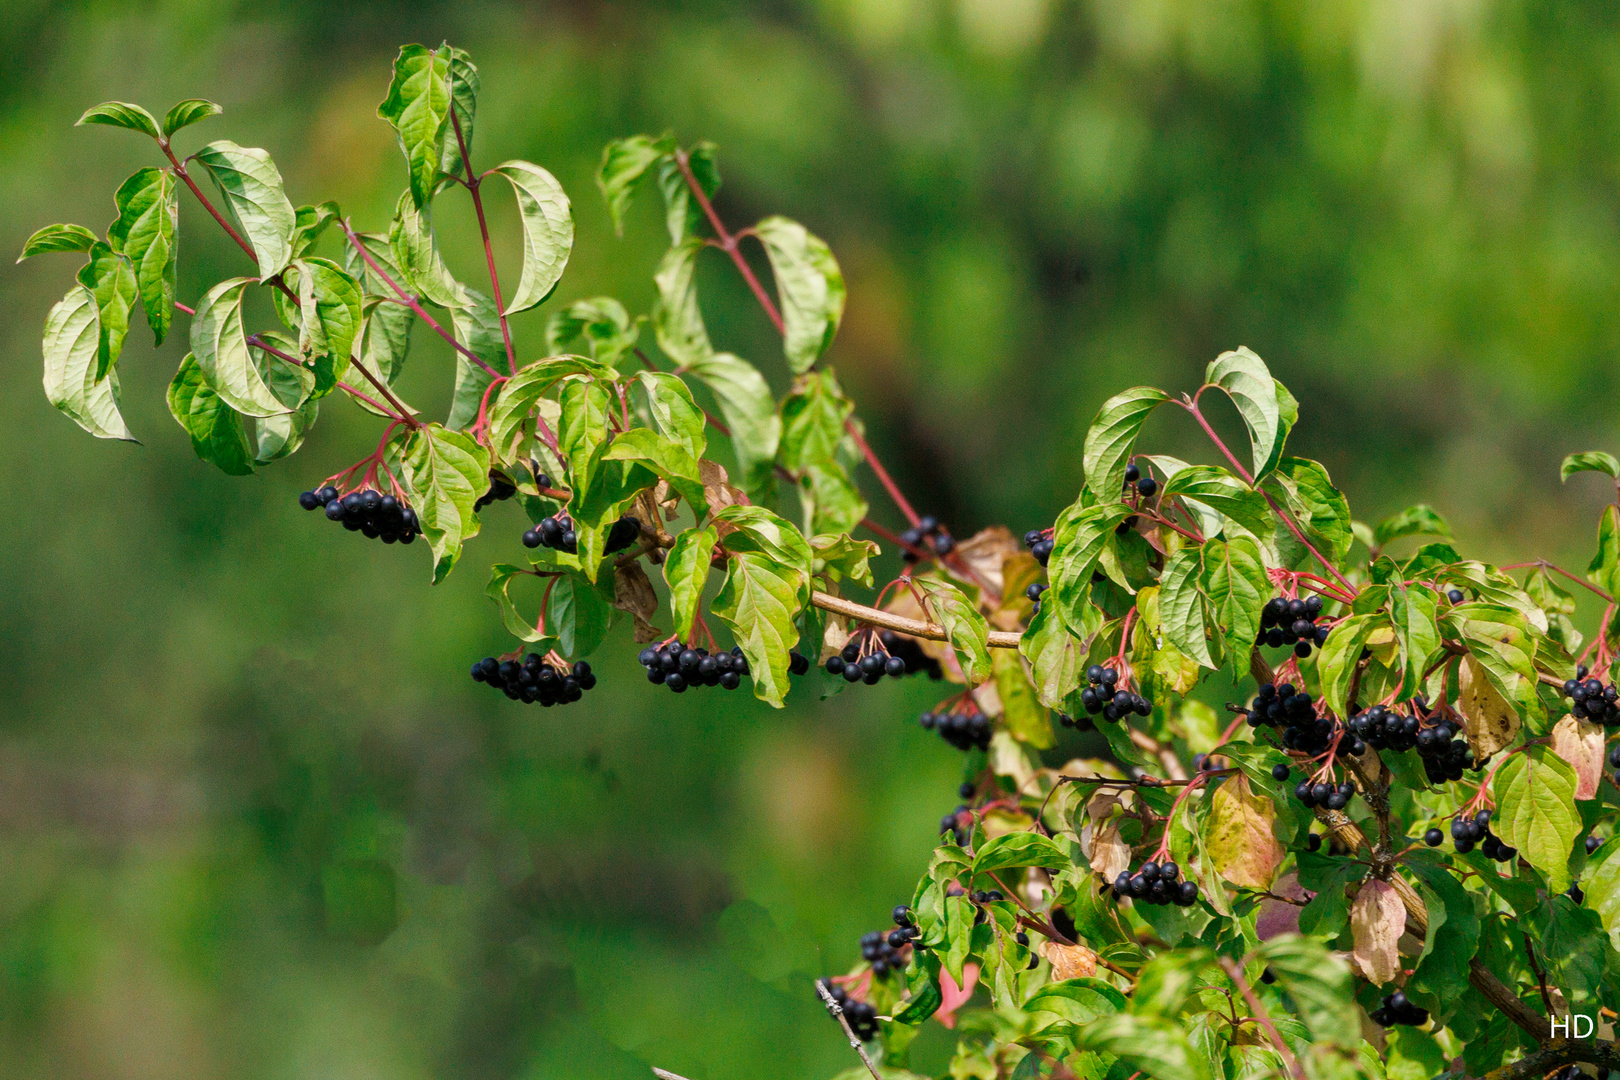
x,y
233,738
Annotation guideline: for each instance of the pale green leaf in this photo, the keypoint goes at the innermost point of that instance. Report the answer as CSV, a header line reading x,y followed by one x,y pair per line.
x,y
677,319
60,238
220,345
418,105
682,214
416,254
72,350
1111,437
759,603
1535,811
809,286
147,233
624,164
444,472
676,415
601,324
188,112
749,411
964,626
1590,461
686,570
121,114
111,280
254,195
1267,409
548,231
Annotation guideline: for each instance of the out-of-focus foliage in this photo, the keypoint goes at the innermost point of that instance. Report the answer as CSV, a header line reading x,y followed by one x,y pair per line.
x,y
223,780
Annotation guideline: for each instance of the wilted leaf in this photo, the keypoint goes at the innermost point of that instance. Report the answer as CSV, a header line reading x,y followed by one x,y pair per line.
x,y
1238,835
1492,722
1070,961
1580,742
1377,920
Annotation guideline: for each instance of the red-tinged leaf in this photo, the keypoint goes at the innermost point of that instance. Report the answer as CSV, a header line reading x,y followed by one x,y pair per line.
x,y
1377,920
1580,743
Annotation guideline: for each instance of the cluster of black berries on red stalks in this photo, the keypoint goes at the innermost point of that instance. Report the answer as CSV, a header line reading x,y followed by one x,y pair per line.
x,y
536,678
1444,750
867,657
1319,790
555,532
679,666
1292,622
1040,544
962,725
368,512
1468,831
1113,704
1593,700
861,1015
1145,486
1295,713
952,824
927,535
1156,883
500,489
1395,1010
886,950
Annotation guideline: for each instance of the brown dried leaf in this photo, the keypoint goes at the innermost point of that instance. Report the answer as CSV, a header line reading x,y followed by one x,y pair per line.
x,y
1580,742
1377,920
833,638
1492,721
1239,837
985,552
717,489
1070,961
633,592
1106,849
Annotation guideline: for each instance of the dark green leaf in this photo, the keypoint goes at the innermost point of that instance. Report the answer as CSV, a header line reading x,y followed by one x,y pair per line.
x,y
1336,662
1153,1046
813,416
1453,935
1183,607
1078,538
810,288
1236,586
215,428
682,213
1079,1001
1412,611
579,613
330,314
1057,656
518,395
188,112
147,233
1569,940
418,105
1320,985
253,193
111,280
1319,507
1604,570
1025,718
686,569
121,114
1018,849
60,238
1221,491
1601,883
663,456
548,231
1111,437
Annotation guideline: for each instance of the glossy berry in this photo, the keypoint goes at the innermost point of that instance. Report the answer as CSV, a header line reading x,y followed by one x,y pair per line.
x,y
547,679
962,725
1146,487
1279,772
368,512
1434,837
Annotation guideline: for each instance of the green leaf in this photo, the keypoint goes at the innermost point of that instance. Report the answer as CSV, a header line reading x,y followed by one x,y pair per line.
x,y
1569,939
1419,520
1056,656
810,288
579,613
121,114
1412,611
1535,811
1267,409
926,1000
1111,437
310,223
1236,586
1224,493
662,456
1320,508
1019,849
518,395
499,589
464,87
278,436
601,323
111,280
220,346
1079,1001
682,214
1337,659
677,319
188,112
749,411
147,233
839,557
1604,570
1453,935
478,328
251,186
829,499
813,416
1500,639
1025,717
676,415
582,428
967,630
1150,1045
1591,461
416,252
1320,985
1078,538
72,355
61,238
330,313
686,570
215,428
1601,883
1183,607
756,529
385,338
624,164
758,601
444,472
418,105
548,231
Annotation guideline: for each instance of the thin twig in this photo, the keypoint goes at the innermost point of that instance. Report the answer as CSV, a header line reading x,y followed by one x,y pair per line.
x,y
854,1040
1235,973
472,185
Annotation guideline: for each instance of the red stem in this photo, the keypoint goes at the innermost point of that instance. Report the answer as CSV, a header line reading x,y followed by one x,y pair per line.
x,y
180,171
1545,565
882,474
728,243
256,340
473,183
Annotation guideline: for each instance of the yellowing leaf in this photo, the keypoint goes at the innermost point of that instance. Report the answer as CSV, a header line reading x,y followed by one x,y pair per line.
x,y
1493,723
1239,837
1108,852
1377,920
1070,961
1580,742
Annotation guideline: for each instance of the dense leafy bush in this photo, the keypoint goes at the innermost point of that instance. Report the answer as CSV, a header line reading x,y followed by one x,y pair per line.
x,y
1265,892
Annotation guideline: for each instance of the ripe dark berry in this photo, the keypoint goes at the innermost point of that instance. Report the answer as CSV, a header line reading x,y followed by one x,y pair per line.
x,y
546,679
1146,486
1434,837
1132,473
798,663
1279,772
368,512
531,539
1455,596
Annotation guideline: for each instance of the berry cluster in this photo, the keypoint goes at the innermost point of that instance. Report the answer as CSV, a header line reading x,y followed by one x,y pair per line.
x,y
1294,712
861,1015
1313,792
1146,486
1444,752
367,511
962,725
867,657
1396,1009
1468,831
1593,700
928,534
876,949
911,651
1040,544
1292,622
1114,705
952,823
546,679
1034,594
500,489
1384,728
556,532
678,666
1156,883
